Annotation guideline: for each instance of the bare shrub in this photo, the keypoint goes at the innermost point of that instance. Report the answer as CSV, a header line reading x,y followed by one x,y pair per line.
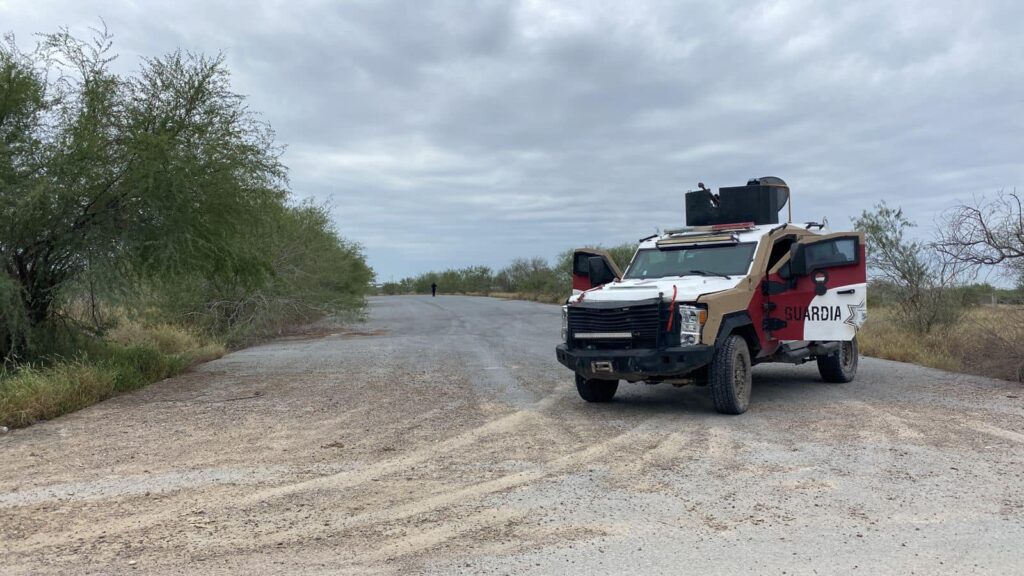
x,y
989,233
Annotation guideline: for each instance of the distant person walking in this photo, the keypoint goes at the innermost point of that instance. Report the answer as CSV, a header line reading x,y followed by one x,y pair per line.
x,y
433,289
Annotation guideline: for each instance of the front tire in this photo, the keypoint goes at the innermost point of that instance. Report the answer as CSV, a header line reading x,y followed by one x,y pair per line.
x,y
840,366
593,390
730,376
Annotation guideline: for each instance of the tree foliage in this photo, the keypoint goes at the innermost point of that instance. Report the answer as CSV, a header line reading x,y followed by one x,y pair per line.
x,y
162,180
312,272
534,277
920,280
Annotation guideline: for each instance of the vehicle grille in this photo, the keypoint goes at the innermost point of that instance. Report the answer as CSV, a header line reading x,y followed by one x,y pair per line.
x,y
644,323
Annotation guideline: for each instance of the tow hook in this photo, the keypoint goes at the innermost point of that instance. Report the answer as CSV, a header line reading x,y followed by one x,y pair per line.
x,y
601,367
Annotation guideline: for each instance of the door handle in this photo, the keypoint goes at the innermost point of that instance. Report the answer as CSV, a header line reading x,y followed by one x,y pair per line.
x,y
849,291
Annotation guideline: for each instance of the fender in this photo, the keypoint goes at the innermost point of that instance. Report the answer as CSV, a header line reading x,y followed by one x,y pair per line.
x,y
730,323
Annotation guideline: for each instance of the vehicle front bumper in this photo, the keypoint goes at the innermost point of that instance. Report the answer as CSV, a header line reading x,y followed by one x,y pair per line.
x,y
637,364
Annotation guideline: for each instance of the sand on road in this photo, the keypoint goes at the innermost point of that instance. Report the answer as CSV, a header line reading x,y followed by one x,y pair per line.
x,y
442,437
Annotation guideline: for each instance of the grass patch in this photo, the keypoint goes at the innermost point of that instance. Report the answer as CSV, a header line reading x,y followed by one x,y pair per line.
x,y
131,357
168,339
883,338
988,341
34,394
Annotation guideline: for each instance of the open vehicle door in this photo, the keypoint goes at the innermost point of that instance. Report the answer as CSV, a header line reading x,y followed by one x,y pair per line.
x,y
820,292
592,268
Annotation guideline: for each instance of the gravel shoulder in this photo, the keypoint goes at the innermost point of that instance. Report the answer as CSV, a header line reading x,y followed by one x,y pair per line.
x,y
442,437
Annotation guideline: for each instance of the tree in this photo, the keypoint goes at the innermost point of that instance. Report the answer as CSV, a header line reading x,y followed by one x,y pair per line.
x,y
987,232
163,178
920,277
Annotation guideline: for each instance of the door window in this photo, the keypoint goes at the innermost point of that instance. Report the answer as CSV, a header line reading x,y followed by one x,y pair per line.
x,y
830,253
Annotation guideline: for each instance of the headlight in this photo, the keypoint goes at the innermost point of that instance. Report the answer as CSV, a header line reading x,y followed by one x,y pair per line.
x,y
565,323
692,319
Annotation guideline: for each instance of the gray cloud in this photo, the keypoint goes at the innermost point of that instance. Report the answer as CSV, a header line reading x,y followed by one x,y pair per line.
x,y
455,133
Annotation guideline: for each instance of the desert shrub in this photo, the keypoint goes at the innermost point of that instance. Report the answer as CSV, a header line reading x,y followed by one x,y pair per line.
x,y
392,288
311,272
528,276
994,343
531,278
885,336
986,341
919,281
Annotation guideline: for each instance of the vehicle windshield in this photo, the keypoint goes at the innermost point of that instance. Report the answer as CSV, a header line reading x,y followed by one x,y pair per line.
x,y
730,260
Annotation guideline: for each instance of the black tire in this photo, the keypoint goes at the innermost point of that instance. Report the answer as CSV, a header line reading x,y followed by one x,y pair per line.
x,y
840,366
730,376
596,390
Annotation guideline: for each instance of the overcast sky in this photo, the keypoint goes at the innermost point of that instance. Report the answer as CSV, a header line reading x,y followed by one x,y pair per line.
x,y
445,134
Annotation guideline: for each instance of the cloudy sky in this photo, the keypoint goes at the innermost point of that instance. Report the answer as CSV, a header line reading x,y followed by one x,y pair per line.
x,y
452,133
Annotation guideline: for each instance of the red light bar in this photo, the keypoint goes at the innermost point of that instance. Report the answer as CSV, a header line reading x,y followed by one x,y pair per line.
x,y
733,226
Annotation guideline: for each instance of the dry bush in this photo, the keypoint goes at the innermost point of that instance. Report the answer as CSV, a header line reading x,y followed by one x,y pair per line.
x,y
883,336
166,338
994,342
922,280
988,341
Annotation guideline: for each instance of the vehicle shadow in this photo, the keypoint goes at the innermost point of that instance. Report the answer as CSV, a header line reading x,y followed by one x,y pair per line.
x,y
775,384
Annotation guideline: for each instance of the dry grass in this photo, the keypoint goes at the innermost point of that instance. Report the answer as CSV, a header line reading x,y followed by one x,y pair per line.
x,y
168,339
34,394
131,357
988,341
543,298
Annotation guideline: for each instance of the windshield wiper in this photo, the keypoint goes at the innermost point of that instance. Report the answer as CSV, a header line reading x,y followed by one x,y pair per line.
x,y
707,273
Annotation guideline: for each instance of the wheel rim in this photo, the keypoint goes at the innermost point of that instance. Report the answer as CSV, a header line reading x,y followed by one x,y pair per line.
x,y
740,373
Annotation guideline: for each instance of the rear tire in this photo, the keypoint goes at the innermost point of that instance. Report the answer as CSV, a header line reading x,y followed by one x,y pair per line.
x,y
593,390
730,376
840,366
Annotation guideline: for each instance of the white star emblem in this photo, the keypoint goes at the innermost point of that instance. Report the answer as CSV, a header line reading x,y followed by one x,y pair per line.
x,y
858,314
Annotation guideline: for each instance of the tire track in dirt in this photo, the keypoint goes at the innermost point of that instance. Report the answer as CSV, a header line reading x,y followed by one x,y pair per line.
x,y
448,435
623,445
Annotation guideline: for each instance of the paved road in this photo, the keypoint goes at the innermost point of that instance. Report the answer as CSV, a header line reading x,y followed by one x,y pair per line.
x,y
441,437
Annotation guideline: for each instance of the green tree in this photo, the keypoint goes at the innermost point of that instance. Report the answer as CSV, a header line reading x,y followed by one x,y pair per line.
x,y
163,178
920,278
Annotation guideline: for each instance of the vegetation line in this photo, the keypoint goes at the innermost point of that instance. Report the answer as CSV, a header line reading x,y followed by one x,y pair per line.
x,y
925,305
147,225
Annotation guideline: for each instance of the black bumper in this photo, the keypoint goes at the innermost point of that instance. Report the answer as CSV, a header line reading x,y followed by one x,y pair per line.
x,y
639,364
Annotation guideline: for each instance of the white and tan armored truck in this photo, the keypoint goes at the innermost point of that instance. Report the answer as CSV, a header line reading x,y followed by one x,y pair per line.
x,y
704,303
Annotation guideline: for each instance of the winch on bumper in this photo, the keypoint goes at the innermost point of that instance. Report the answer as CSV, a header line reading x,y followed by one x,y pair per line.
x,y
635,364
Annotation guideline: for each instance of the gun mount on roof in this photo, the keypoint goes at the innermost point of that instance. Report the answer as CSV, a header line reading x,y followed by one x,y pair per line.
x,y
702,304
759,201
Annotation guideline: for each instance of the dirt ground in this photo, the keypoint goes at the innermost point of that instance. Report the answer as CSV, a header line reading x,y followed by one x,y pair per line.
x,y
442,437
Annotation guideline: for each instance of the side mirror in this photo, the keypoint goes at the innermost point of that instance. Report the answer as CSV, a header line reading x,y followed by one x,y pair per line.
x,y
598,271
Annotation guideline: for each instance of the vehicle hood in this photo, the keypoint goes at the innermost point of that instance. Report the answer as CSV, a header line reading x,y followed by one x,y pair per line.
x,y
688,289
